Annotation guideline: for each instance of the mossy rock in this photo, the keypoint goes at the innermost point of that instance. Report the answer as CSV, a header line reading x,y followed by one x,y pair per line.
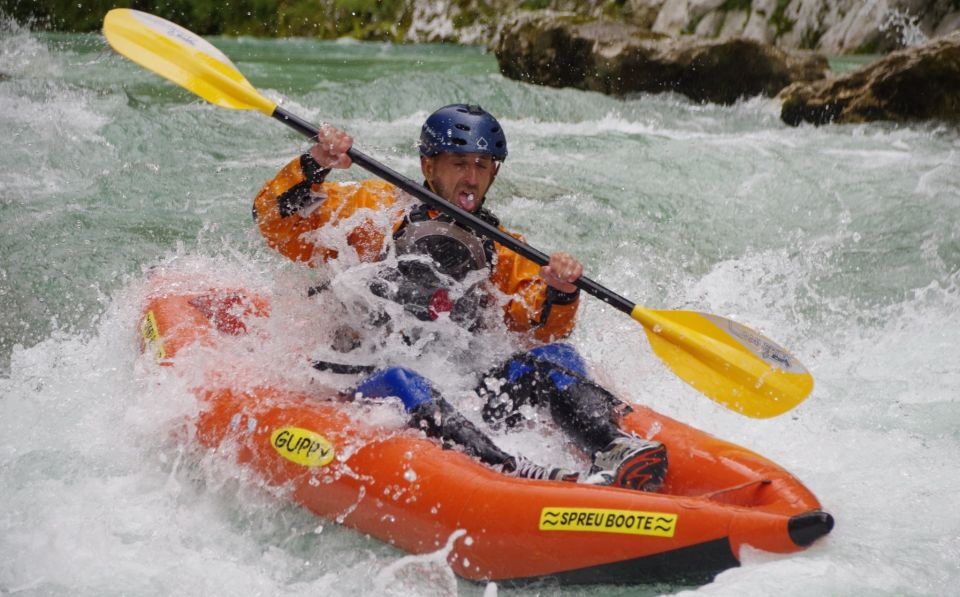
x,y
921,83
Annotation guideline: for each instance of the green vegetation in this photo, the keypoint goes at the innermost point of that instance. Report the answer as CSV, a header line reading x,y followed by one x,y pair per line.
x,y
613,9
811,37
541,4
363,19
732,5
692,25
474,12
870,48
779,20
368,19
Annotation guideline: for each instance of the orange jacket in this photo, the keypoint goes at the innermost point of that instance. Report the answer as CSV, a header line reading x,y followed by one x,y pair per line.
x,y
297,202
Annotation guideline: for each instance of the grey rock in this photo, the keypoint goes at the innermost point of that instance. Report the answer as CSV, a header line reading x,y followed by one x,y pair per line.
x,y
950,23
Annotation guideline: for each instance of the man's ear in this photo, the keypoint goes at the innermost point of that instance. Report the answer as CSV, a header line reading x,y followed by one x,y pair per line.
x,y
426,167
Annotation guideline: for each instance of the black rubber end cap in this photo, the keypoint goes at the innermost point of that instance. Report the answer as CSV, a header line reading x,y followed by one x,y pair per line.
x,y
806,528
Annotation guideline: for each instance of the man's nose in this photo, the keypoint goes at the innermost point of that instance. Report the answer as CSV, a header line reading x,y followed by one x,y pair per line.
x,y
472,174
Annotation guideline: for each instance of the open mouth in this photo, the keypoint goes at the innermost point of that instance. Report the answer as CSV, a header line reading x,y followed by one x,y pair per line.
x,y
467,201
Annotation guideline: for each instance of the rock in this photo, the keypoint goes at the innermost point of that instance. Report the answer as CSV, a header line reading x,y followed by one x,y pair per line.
x,y
734,22
757,26
912,84
449,21
643,13
565,50
950,23
859,27
672,18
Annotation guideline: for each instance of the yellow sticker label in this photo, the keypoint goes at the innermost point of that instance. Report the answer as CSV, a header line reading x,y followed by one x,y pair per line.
x,y
302,446
603,520
151,336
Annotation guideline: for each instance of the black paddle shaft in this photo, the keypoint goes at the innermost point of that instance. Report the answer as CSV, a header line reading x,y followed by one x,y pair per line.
x,y
460,215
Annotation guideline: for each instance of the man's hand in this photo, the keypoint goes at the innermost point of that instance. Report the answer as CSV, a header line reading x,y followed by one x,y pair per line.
x,y
331,148
562,271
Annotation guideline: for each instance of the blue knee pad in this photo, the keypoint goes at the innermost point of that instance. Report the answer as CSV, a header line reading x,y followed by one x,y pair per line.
x,y
412,388
559,354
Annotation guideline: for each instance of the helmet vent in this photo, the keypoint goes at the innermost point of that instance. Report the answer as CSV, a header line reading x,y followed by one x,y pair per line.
x,y
462,127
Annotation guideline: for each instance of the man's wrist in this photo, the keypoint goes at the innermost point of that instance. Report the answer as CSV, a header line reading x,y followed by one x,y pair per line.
x,y
559,297
312,170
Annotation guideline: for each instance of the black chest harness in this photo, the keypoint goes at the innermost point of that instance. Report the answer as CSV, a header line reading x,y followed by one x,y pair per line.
x,y
455,250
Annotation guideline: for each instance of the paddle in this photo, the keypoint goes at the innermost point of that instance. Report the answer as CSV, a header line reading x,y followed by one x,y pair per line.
x,y
727,361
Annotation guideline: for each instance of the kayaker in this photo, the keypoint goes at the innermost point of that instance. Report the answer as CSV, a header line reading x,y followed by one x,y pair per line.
x,y
461,149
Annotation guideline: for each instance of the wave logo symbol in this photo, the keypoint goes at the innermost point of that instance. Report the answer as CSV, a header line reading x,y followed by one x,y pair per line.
x,y
549,518
663,523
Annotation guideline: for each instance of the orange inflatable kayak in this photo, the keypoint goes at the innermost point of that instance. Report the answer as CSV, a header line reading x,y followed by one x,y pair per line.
x,y
393,483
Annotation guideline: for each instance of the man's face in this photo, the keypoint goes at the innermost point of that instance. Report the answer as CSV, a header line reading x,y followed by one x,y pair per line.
x,y
460,178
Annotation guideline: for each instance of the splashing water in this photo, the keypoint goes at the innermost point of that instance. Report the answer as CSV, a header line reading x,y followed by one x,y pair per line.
x,y
905,26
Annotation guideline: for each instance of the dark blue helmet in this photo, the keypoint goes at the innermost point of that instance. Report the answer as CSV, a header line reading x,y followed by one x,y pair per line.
x,y
462,128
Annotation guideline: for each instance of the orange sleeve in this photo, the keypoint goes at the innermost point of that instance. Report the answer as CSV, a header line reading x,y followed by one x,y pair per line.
x,y
535,307
294,204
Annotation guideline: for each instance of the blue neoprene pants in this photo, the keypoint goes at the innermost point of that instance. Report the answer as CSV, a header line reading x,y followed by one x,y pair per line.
x,y
414,389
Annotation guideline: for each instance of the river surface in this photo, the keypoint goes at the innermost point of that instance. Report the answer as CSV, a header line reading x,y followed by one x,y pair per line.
x,y
841,242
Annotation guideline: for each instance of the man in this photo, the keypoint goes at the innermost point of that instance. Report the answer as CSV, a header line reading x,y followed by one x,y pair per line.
x,y
461,150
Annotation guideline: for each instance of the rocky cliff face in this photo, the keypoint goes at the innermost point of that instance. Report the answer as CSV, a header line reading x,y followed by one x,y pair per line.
x,y
828,26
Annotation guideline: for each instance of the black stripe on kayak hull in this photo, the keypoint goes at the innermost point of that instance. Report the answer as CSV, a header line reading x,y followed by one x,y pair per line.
x,y
695,564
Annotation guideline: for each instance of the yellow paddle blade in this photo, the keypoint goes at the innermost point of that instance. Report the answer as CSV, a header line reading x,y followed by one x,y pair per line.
x,y
727,361
182,57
